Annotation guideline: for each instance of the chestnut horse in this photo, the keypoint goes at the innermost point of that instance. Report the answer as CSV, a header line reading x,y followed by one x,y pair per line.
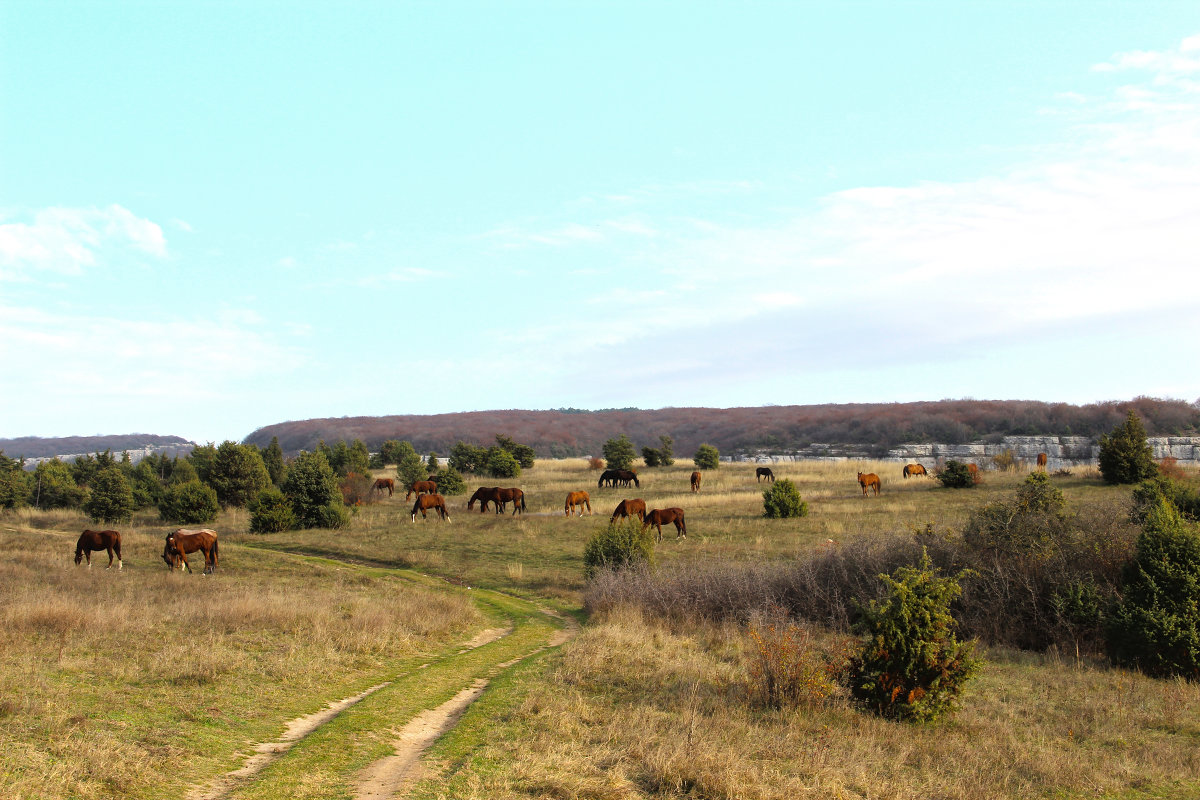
x,y
384,483
428,501
421,487
578,500
514,496
868,480
629,508
99,540
914,470
184,541
485,495
695,481
660,516
625,476
973,469
1041,461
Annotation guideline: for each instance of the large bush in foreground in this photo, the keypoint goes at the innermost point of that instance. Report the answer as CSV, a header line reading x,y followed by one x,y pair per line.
x,y
622,544
1156,626
911,666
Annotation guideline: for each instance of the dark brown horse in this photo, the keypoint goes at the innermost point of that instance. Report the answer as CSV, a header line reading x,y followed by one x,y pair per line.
x,y
384,483
868,480
184,541
627,476
630,508
913,470
662,516
99,540
608,477
485,495
695,481
578,500
421,487
1041,461
764,472
428,501
514,496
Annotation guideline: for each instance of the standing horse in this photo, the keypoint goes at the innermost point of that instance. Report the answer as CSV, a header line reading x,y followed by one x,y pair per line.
x,y
696,481
578,500
485,495
99,540
764,472
973,470
384,483
661,516
914,470
184,541
1041,461
609,477
428,501
868,480
629,508
625,476
421,487
514,496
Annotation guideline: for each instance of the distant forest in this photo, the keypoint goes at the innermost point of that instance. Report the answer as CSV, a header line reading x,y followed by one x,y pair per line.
x,y
38,447
779,429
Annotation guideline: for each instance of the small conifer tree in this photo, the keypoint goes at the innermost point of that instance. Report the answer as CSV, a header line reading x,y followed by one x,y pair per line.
x,y
619,453
707,457
782,501
1125,455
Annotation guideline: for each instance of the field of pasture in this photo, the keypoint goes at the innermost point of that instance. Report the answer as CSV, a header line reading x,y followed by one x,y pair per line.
x,y
143,683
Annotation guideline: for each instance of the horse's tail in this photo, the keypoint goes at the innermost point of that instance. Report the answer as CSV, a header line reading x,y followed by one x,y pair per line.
x,y
216,546
523,508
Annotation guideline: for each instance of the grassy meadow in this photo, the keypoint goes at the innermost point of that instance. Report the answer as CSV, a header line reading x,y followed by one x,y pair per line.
x,y
139,683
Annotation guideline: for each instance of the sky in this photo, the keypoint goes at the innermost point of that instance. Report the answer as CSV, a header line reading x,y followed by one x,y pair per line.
x,y
220,216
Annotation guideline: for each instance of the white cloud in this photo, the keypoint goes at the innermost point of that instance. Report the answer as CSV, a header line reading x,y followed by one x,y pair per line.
x,y
68,240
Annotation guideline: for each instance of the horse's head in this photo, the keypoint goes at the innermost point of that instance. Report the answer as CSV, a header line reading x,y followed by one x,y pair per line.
x,y
170,552
78,555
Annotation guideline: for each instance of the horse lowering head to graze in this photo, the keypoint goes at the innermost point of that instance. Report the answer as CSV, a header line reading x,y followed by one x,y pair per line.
x,y
696,481
914,470
184,541
578,500
514,496
627,476
99,540
663,516
868,480
421,487
630,508
1041,460
384,483
609,477
485,495
428,501
764,472
973,470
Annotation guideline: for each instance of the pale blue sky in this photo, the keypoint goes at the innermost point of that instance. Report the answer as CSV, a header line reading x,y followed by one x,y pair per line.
x,y
217,216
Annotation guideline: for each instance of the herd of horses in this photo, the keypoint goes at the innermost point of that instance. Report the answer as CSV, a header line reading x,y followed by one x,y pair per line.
x,y
175,550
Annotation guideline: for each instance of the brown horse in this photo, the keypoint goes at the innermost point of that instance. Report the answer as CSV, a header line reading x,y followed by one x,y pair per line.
x,y
578,500
868,480
627,476
184,541
973,470
421,487
629,508
1041,461
661,516
914,470
485,495
695,481
384,483
428,501
764,472
99,540
514,496
609,477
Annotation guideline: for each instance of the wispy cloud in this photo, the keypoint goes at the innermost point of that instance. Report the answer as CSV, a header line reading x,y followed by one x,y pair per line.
x,y
68,240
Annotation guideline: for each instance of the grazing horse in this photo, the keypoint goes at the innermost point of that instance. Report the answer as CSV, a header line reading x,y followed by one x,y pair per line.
x,y
384,483
624,476
609,476
514,496
868,480
696,481
764,472
485,495
428,501
421,487
629,508
914,470
99,540
1041,461
578,500
661,516
973,469
184,541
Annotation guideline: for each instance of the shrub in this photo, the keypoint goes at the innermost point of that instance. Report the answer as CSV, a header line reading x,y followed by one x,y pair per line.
x,y
619,453
651,457
468,459
357,489
53,486
449,482
666,452
911,666
190,503
111,499
707,457
782,501
1125,455
786,668
1005,461
595,462
237,474
313,491
410,468
1028,524
619,545
502,464
272,456
1146,495
271,512
955,475
14,484
1156,626
523,453
1168,467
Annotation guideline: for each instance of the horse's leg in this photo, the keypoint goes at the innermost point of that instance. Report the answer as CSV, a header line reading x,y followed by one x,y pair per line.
x,y
120,563
110,558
